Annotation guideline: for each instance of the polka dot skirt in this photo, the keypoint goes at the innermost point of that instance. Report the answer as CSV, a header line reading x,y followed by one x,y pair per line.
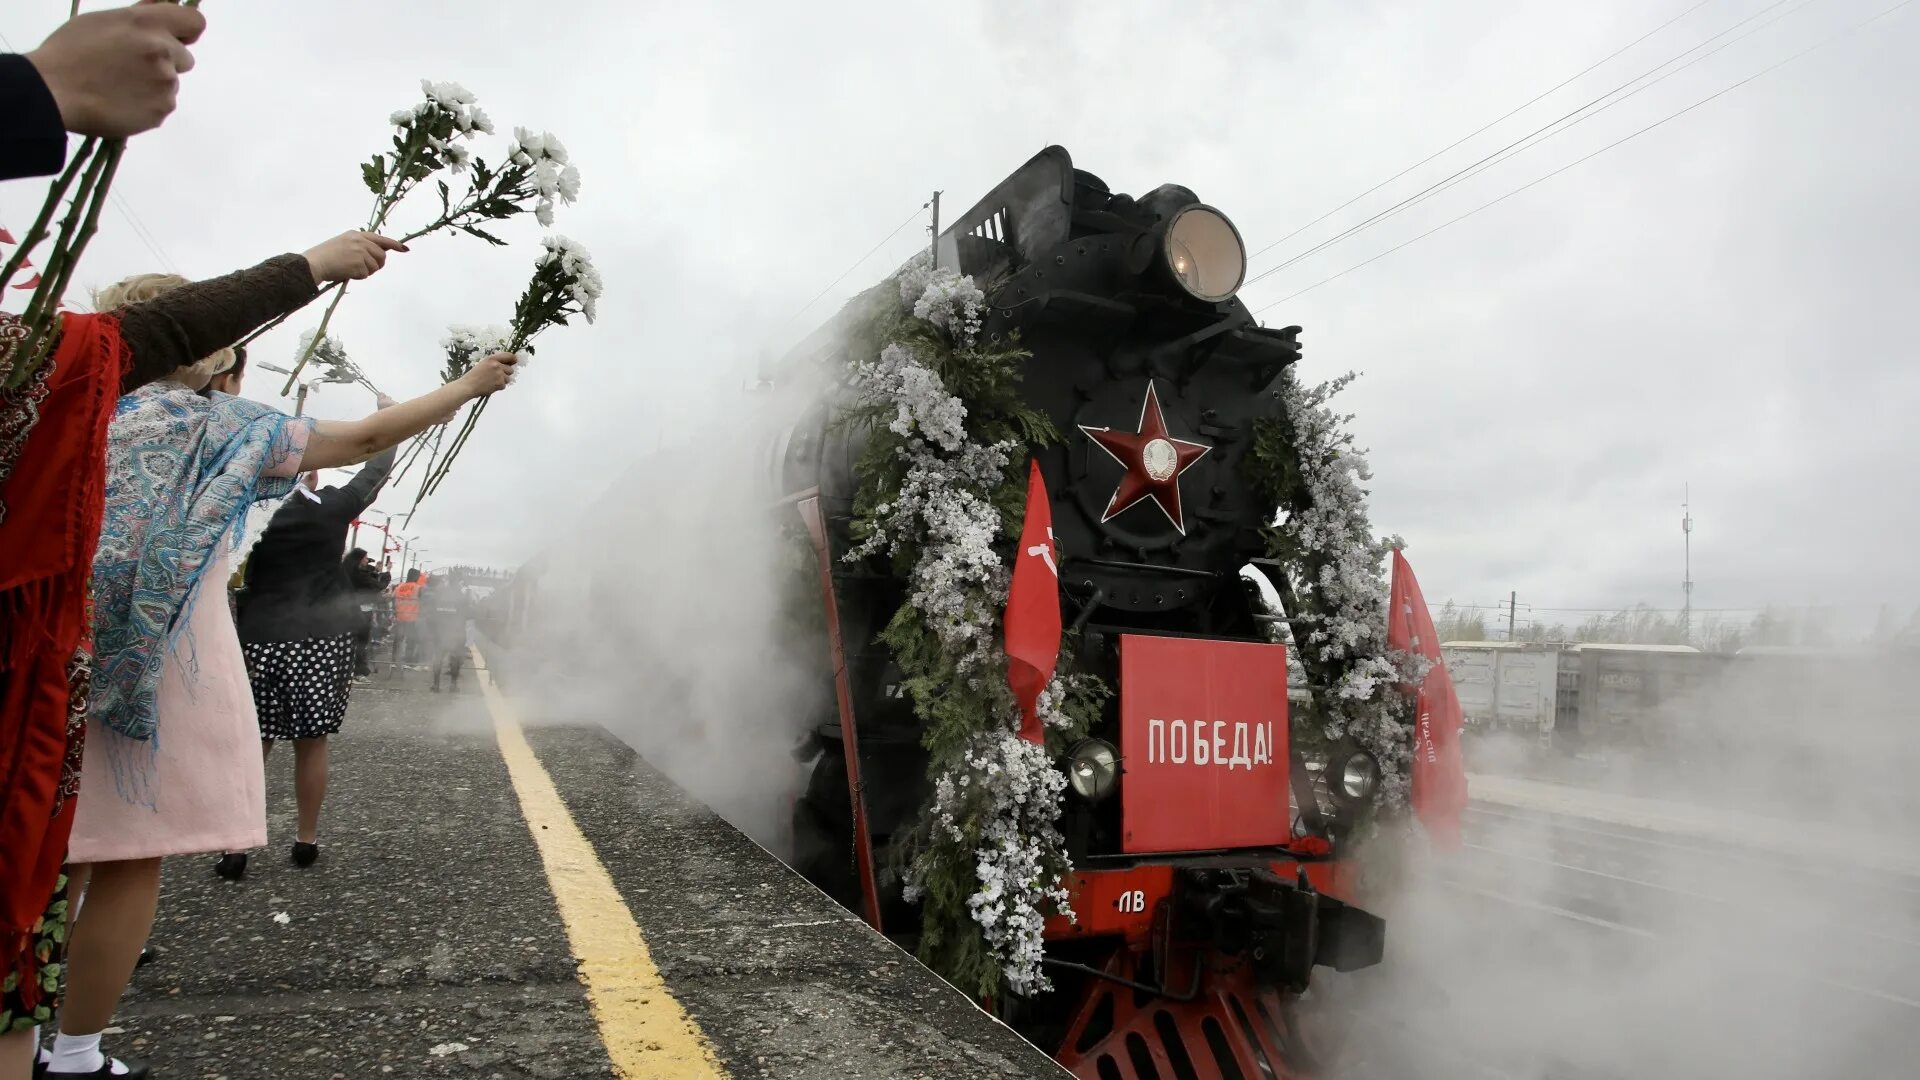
x,y
300,687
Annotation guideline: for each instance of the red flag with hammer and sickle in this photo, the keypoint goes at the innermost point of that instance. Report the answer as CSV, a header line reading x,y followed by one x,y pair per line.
x,y
1439,775
1033,608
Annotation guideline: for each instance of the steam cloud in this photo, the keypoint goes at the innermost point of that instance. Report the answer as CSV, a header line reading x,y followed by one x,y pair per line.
x,y
1557,946
659,615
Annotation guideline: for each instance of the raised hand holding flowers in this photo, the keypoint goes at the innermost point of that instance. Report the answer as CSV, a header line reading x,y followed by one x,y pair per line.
x,y
101,91
463,345
430,138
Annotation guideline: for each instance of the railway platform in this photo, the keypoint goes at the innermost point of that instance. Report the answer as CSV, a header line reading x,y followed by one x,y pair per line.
x,y
500,899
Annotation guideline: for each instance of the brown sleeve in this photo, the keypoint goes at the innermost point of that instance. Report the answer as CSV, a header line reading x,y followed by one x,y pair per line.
x,y
194,321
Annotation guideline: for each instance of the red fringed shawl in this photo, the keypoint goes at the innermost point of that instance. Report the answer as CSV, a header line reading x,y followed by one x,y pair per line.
x,y
53,441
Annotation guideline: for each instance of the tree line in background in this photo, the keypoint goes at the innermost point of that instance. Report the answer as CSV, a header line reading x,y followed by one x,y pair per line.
x,y
1710,631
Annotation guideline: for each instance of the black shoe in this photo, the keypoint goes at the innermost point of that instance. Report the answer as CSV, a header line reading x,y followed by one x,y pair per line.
x,y
136,1070
147,956
305,854
232,866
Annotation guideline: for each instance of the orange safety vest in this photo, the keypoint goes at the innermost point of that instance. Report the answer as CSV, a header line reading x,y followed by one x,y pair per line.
x,y
406,601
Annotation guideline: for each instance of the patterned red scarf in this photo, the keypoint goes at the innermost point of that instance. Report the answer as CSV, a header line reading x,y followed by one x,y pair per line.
x,y
53,440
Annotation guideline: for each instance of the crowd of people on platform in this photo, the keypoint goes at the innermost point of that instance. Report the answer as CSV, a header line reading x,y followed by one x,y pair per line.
x,y
131,701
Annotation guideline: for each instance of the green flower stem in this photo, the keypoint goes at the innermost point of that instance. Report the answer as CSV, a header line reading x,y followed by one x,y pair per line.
x,y
433,453
42,310
381,208
460,440
38,230
412,453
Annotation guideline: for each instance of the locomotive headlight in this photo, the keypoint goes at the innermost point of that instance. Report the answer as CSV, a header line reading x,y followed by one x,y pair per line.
x,y
1204,252
1355,777
1093,769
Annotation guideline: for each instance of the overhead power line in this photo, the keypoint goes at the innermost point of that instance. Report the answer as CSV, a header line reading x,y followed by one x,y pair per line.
x,y
1546,131
144,234
1823,43
857,263
1478,130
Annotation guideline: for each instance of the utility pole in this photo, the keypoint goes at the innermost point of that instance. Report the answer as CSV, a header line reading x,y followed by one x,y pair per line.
x,y
1513,611
933,247
1686,585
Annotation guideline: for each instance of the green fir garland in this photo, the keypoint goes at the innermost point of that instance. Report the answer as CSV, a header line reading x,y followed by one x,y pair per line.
x,y
961,695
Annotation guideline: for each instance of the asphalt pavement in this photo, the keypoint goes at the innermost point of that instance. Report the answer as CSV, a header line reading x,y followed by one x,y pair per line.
x,y
426,941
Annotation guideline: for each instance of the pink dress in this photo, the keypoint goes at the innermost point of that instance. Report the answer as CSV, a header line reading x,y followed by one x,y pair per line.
x,y
209,791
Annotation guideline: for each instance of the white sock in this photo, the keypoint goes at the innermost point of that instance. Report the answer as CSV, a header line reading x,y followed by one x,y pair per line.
x,y
76,1054
39,1052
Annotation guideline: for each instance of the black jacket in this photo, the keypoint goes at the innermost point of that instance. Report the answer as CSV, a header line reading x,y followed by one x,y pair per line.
x,y
33,139
296,586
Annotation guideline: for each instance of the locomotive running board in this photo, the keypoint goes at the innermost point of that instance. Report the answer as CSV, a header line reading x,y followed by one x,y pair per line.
x,y
808,503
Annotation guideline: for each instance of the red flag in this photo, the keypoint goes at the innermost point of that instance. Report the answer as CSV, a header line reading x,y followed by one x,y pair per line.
x,y
1033,607
1439,775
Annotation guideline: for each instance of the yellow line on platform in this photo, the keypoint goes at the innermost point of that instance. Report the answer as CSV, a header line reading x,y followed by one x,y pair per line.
x,y
645,1030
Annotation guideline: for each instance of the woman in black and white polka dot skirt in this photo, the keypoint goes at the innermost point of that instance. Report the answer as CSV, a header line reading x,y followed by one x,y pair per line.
x,y
298,615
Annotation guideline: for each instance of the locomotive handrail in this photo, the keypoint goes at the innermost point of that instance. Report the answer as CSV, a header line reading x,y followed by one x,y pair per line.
x,y
809,508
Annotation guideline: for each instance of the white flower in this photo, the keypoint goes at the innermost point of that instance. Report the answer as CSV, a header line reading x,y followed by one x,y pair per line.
x,y
543,213
998,807
551,144
524,146
401,117
480,121
569,184
576,266
950,301
458,157
466,344
546,179
1349,588
450,94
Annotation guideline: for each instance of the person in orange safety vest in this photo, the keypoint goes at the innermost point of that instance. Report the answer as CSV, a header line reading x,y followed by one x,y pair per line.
x,y
406,618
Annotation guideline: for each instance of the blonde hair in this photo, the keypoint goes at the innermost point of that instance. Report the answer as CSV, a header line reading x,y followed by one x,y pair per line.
x,y
141,288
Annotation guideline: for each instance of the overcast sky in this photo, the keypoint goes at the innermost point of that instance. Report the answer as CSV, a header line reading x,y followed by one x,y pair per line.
x,y
1723,302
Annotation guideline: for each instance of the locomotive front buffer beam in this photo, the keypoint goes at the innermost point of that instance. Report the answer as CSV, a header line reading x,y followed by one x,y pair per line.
x,y
1284,928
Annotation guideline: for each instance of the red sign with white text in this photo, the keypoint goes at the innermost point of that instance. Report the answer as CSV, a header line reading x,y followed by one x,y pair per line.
x,y
1203,741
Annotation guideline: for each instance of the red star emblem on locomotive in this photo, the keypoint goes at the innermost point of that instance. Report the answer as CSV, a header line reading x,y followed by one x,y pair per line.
x,y
1153,461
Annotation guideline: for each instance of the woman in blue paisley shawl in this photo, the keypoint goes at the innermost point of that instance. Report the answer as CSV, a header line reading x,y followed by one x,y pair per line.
x,y
173,763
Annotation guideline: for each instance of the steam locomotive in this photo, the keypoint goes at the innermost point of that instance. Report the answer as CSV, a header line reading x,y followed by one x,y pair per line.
x,y
1213,874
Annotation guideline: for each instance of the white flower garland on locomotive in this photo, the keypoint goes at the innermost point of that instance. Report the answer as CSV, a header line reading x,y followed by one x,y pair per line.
x,y
959,586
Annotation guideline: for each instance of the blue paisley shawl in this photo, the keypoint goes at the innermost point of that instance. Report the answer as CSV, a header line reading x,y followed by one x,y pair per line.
x,y
181,472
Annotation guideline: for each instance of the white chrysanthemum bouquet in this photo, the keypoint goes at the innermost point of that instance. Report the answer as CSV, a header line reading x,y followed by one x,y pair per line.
x,y
565,283
432,137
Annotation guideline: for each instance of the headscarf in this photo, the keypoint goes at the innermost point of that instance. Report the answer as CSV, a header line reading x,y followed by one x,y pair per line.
x,y
181,472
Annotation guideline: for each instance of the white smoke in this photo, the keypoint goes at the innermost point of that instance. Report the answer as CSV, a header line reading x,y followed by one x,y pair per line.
x,y
659,615
1769,928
